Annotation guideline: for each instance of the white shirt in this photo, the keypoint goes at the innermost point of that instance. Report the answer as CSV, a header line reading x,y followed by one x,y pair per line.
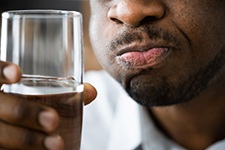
x,y
116,122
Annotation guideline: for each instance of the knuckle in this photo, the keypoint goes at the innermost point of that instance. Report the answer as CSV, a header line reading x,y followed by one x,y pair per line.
x,y
12,137
29,139
25,112
22,112
32,139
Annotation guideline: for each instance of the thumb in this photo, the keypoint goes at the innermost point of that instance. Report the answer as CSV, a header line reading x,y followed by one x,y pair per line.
x,y
90,93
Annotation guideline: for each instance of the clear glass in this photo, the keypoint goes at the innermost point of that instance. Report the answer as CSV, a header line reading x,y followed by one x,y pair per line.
x,y
48,46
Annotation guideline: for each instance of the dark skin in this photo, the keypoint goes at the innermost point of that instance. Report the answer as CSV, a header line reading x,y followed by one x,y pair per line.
x,y
16,130
183,87
186,83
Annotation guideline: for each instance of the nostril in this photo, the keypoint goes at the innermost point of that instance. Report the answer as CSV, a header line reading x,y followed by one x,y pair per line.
x,y
148,19
116,21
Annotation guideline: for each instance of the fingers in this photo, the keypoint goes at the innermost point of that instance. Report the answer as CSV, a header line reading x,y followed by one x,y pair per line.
x,y
20,112
25,124
90,93
19,138
9,73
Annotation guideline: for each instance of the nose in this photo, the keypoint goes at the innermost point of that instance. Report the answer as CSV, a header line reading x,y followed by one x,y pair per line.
x,y
133,12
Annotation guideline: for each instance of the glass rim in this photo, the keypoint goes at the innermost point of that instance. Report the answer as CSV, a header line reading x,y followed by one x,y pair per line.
x,y
40,13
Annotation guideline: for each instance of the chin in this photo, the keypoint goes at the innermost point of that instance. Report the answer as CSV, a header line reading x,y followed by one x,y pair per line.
x,y
154,97
158,92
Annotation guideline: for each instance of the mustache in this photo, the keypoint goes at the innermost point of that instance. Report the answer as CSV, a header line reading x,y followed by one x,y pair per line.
x,y
129,36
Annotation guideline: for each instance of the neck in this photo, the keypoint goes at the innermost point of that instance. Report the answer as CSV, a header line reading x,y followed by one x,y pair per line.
x,y
196,124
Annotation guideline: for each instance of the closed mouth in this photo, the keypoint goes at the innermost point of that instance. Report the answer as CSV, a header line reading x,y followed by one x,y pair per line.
x,y
142,57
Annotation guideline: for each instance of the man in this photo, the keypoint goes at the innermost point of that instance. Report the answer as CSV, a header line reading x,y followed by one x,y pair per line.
x,y
169,56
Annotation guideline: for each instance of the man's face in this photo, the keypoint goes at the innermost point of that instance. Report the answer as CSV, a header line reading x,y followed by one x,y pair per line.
x,y
162,52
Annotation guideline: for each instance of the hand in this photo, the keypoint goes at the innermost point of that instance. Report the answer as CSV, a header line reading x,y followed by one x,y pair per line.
x,y
25,125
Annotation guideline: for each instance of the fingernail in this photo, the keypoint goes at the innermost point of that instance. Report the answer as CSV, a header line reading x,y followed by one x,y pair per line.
x,y
10,73
48,120
54,143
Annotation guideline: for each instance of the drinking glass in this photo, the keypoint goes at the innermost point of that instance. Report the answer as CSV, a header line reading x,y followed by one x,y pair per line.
x,y
47,45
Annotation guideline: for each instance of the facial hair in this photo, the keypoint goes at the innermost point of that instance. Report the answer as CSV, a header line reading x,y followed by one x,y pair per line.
x,y
166,93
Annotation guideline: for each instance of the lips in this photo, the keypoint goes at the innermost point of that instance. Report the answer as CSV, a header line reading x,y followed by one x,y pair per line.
x,y
143,59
